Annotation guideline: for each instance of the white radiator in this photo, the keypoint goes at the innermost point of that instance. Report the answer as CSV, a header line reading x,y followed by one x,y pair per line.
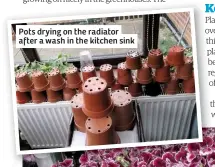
x,y
166,117
45,125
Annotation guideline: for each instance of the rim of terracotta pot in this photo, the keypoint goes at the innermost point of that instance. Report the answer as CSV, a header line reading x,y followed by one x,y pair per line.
x,y
80,128
23,101
155,53
98,114
27,89
122,66
129,126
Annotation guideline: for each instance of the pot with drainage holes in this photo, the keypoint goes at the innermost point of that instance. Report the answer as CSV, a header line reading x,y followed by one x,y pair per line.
x,y
106,72
40,81
68,93
73,78
56,80
172,87
100,132
144,75
79,116
24,82
155,58
38,97
162,74
133,60
124,114
88,71
124,76
185,71
117,86
54,96
175,56
96,97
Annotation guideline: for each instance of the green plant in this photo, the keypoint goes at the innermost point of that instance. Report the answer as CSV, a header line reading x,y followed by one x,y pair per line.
x,y
60,63
188,52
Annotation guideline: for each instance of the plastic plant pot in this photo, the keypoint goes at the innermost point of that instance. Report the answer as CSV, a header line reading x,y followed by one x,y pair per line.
x,y
56,80
24,82
79,116
22,97
172,87
53,96
73,78
185,71
124,76
68,93
189,85
135,89
175,56
117,86
123,110
155,58
100,131
38,97
88,72
133,60
106,72
40,81
162,74
144,75
96,97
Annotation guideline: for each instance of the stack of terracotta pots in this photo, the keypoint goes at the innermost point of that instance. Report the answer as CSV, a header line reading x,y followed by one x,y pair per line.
x,y
98,107
123,114
51,87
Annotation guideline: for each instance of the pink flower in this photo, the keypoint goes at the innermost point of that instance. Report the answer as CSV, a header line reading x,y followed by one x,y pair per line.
x,y
90,164
193,147
141,164
159,162
181,156
109,164
211,159
169,157
207,142
83,158
146,157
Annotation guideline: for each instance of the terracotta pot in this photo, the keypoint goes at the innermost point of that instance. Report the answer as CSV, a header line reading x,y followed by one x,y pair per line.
x,y
56,80
38,97
133,60
88,72
68,93
189,85
73,78
155,58
185,71
100,131
40,81
135,89
97,102
162,74
22,97
123,110
175,56
24,82
79,116
54,96
106,72
172,87
124,76
117,86
144,75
